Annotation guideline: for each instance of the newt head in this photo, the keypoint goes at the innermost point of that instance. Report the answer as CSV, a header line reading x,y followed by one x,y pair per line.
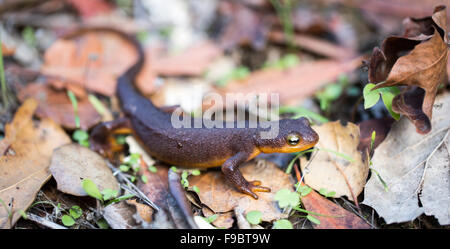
x,y
294,135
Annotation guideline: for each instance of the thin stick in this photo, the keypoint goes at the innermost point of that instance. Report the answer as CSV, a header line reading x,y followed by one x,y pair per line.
x,y
44,222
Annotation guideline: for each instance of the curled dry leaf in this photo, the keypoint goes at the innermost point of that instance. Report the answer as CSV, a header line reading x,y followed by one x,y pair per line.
x,y
56,105
418,58
25,157
72,163
411,163
145,212
220,196
224,220
334,172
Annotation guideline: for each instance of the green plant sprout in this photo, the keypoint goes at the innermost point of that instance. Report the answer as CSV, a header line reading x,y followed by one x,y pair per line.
x,y
284,13
106,195
237,73
331,92
254,217
371,97
372,141
285,62
282,224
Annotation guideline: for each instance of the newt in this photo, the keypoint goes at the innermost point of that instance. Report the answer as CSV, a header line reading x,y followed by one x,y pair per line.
x,y
203,147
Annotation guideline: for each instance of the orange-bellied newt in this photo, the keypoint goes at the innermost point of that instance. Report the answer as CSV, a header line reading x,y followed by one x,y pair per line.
x,y
196,147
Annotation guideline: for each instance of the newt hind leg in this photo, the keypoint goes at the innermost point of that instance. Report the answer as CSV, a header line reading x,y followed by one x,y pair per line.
x,y
233,175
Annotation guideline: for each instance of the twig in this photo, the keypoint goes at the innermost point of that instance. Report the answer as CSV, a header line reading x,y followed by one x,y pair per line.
x,y
427,162
134,189
43,221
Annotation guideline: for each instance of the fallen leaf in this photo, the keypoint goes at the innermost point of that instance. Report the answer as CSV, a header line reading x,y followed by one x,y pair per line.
x,y
334,172
220,196
296,83
409,163
193,61
72,163
316,45
224,220
423,65
120,215
94,60
25,157
380,126
145,212
56,105
332,215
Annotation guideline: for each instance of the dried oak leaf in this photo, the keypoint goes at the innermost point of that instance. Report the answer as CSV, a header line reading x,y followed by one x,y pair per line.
x,y
25,157
335,172
72,163
220,196
418,58
410,163
56,105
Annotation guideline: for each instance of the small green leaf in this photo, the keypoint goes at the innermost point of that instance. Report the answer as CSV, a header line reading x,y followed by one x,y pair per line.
x,y
75,212
196,172
23,214
387,97
212,218
174,169
124,168
304,190
109,194
286,198
91,189
196,189
370,97
80,135
102,224
313,219
97,104
184,175
254,217
325,192
152,169
144,179
120,139
282,224
67,220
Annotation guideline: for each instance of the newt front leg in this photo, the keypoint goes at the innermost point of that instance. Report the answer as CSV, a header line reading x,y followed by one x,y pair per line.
x,y
230,168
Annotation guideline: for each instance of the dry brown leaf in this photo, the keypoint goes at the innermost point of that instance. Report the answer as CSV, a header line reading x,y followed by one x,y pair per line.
x,y
220,196
145,212
224,220
72,163
316,45
120,215
332,172
424,65
56,105
94,60
415,170
335,217
193,61
26,151
296,83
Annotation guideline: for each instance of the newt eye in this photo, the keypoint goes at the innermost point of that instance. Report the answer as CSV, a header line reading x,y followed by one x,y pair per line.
x,y
293,139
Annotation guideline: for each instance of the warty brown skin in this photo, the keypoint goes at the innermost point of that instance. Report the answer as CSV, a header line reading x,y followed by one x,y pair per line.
x,y
196,147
